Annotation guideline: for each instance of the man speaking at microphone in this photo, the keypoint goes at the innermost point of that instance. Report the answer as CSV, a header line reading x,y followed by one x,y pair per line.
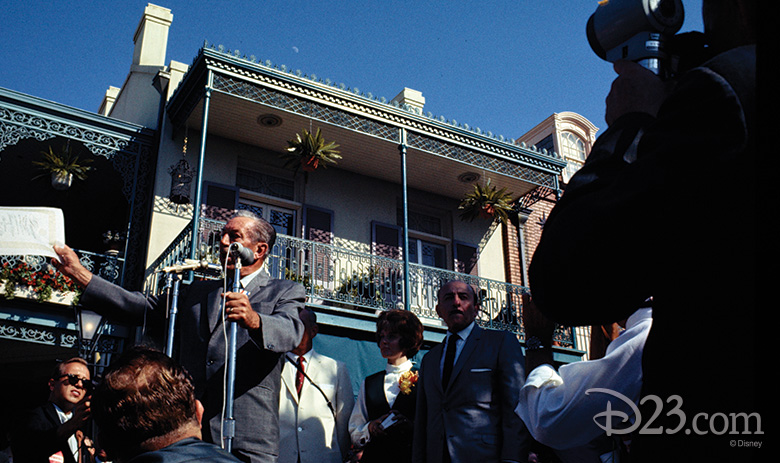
x,y
265,311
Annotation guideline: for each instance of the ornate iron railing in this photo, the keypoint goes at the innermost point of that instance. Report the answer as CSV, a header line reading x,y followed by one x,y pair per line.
x,y
351,280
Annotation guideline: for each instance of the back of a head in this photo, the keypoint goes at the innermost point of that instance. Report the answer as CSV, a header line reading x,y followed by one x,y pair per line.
x,y
145,402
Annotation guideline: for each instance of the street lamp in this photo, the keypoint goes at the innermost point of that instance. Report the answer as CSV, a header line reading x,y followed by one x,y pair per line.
x,y
90,324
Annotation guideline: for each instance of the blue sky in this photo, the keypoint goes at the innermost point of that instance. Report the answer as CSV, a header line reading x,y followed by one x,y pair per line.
x,y
502,66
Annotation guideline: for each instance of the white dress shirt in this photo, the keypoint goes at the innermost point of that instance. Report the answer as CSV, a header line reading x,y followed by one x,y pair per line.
x,y
556,407
72,442
245,280
358,422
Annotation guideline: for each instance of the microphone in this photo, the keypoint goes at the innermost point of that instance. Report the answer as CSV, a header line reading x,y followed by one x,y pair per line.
x,y
191,264
245,255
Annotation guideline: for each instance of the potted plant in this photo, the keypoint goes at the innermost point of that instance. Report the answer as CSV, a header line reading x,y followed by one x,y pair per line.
x,y
308,151
486,202
115,240
63,166
365,288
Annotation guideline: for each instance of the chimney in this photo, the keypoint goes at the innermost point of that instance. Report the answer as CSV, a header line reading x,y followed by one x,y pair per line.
x,y
108,101
151,36
412,98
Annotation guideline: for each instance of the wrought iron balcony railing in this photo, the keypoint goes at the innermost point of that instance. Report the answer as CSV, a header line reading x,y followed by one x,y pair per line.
x,y
351,280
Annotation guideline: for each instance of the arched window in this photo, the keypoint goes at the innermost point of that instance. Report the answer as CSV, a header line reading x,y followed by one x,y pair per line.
x,y
573,151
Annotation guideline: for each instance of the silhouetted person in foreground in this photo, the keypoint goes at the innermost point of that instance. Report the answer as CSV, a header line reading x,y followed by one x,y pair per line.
x,y
145,410
667,205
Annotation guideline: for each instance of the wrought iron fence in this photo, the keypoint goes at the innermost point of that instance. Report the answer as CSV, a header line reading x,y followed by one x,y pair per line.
x,y
341,277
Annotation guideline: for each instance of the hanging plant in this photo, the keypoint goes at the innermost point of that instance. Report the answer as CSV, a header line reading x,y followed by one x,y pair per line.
x,y
309,152
486,202
63,166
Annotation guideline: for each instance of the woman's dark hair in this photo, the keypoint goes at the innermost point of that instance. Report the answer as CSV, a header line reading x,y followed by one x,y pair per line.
x,y
406,325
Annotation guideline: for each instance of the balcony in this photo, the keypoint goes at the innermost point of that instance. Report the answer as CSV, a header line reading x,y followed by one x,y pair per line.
x,y
37,268
358,283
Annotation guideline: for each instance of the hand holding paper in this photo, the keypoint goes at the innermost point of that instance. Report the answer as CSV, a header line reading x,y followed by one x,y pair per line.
x,y
67,262
31,231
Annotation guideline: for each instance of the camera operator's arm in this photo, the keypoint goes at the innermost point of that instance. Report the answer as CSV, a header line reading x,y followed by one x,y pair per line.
x,y
605,240
537,327
635,90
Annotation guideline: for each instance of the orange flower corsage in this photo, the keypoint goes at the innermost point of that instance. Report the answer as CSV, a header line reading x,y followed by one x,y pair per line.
x,y
407,381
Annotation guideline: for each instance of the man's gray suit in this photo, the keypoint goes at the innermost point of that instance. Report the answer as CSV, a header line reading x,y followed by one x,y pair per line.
x,y
201,350
473,417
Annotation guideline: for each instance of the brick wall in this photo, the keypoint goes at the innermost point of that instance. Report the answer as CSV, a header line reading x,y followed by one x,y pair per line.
x,y
532,233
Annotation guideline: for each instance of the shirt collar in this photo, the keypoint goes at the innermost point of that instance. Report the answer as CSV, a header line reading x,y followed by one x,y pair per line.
x,y
63,415
465,332
306,357
407,365
247,279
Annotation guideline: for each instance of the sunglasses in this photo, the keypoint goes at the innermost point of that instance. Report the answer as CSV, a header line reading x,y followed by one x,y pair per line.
x,y
74,380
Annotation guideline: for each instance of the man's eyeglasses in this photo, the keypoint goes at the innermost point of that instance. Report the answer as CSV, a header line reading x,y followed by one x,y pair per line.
x,y
74,380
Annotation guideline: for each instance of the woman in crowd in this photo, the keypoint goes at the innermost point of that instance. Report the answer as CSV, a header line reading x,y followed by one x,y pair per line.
x,y
382,420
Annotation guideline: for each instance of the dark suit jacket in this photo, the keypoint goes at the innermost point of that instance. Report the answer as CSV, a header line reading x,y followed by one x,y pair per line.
x,y
186,450
475,417
201,350
33,437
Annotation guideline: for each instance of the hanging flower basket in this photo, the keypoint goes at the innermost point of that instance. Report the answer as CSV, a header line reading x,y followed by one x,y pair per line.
x,y
63,166
309,152
310,164
61,180
486,202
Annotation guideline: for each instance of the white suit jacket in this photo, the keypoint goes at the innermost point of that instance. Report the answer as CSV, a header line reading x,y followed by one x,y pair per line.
x,y
306,425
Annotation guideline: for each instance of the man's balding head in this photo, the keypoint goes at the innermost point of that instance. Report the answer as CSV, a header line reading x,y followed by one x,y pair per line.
x,y
145,402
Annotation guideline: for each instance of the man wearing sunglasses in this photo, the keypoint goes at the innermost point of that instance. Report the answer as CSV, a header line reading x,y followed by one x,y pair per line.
x,y
265,310
55,430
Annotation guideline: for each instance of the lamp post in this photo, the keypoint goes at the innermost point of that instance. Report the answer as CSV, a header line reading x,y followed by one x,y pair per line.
x,y
89,324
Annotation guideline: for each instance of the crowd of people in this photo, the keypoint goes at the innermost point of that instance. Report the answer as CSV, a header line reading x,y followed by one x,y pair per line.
x,y
457,407
628,258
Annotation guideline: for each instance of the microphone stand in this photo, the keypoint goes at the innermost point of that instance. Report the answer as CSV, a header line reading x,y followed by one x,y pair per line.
x,y
172,281
229,425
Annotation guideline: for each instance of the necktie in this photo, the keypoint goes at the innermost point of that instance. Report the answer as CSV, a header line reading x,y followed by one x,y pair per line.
x,y
299,376
449,360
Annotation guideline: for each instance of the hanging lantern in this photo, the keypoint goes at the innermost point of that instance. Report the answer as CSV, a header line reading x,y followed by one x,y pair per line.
x,y
181,177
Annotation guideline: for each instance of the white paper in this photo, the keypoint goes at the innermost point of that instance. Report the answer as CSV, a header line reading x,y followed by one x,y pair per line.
x,y
31,231
389,421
